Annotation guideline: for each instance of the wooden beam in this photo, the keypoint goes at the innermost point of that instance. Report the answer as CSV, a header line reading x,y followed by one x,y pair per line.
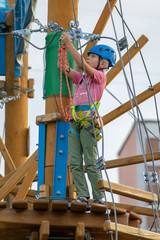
x,y
44,230
132,52
17,176
6,156
23,190
127,191
34,236
34,218
137,209
5,178
46,118
102,21
127,106
121,162
131,233
80,231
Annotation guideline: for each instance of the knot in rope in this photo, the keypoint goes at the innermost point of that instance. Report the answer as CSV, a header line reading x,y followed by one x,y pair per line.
x,y
63,62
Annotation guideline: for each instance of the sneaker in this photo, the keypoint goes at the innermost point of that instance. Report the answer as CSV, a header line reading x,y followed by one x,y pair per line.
x,y
82,199
99,201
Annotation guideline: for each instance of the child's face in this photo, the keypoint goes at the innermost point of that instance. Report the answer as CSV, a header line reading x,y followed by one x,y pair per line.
x,y
92,60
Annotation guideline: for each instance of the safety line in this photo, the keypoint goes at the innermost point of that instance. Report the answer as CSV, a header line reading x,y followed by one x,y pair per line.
x,y
128,87
90,97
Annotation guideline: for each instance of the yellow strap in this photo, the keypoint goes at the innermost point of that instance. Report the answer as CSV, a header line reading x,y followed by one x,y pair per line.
x,y
81,116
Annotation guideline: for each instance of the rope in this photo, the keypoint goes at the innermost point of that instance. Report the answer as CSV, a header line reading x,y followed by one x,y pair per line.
x,y
90,99
130,92
63,61
149,79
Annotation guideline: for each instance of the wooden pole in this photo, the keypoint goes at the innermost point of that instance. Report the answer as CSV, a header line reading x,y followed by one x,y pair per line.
x,y
62,13
16,113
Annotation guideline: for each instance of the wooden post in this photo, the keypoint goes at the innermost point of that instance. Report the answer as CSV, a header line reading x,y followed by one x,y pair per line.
x,y
62,13
44,230
16,113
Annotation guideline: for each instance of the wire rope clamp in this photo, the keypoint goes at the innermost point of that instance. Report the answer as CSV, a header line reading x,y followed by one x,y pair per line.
x,y
99,163
150,176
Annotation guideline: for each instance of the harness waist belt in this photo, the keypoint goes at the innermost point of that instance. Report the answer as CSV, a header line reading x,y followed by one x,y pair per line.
x,y
84,108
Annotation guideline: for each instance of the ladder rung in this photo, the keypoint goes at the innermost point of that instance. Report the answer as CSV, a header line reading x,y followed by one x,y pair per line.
x,y
131,233
128,191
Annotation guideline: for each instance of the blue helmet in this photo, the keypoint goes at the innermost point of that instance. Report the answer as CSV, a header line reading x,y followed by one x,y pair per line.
x,y
105,52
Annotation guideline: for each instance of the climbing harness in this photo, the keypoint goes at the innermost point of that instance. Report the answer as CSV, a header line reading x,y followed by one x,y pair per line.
x,y
78,110
63,61
78,115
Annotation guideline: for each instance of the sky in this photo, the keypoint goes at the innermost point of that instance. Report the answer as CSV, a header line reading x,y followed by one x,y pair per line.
x,y
142,17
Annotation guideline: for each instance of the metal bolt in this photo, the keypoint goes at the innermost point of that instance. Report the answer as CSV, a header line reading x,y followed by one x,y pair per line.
x,y
59,177
60,151
62,136
58,193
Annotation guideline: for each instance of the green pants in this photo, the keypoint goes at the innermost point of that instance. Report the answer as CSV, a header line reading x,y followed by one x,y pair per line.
x,y
82,145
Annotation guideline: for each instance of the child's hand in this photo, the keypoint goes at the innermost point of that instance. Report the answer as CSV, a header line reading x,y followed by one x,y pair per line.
x,y
65,39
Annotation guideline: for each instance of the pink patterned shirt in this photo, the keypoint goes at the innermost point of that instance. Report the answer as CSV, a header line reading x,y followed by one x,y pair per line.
x,y
96,87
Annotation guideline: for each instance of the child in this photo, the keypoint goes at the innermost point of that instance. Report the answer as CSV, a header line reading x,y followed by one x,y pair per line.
x,y
81,140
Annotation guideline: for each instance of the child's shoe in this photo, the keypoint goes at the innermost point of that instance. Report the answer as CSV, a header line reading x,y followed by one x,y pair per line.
x,y
83,200
99,201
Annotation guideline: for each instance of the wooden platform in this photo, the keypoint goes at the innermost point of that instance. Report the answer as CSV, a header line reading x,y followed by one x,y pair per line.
x,y
19,223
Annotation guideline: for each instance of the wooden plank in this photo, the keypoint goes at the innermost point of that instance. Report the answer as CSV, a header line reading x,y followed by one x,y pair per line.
x,y
44,230
127,106
27,218
78,206
6,156
41,204
34,236
46,118
135,216
80,231
131,233
60,206
17,176
127,191
5,178
130,160
20,204
102,21
3,204
137,209
132,52
98,208
27,181
31,193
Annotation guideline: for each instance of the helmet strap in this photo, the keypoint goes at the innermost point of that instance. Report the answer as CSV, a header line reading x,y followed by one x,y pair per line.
x,y
99,58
